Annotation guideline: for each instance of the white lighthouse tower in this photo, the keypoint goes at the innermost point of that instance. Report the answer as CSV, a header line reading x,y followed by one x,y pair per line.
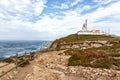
x,y
84,28
85,31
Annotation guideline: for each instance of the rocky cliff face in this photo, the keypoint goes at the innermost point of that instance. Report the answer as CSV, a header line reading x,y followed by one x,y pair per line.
x,y
83,41
81,45
53,66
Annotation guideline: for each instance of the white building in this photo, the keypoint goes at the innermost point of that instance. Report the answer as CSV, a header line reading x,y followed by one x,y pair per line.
x,y
84,31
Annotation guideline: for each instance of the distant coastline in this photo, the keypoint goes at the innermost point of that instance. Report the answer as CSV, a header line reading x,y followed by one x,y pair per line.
x,y
9,48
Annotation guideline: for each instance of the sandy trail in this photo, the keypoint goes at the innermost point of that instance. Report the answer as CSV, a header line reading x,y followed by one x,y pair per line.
x,y
22,72
6,68
52,65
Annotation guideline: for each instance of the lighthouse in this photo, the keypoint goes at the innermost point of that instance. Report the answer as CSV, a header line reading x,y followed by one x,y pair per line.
x,y
84,28
85,31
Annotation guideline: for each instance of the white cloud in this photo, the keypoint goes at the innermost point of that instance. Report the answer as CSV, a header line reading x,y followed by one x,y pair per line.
x,y
86,7
82,8
21,9
76,2
52,28
61,6
39,6
103,12
100,2
66,4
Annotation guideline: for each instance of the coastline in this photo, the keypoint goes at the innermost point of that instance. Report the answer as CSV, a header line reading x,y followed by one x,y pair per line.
x,y
12,60
55,65
10,48
29,57
46,47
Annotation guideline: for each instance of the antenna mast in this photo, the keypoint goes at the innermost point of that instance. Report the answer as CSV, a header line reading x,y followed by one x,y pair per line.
x,y
86,24
84,28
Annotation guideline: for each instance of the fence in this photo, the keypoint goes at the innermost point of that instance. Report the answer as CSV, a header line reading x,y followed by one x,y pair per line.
x,y
17,63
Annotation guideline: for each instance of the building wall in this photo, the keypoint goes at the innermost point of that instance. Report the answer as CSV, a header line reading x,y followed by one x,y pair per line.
x,y
90,33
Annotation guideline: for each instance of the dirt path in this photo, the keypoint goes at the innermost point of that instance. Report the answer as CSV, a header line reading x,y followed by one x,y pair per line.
x,y
18,74
52,65
23,71
4,69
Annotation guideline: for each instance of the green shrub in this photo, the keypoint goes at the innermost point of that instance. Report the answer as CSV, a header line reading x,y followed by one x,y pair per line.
x,y
114,54
8,60
23,64
72,51
88,58
93,57
102,65
76,38
116,62
84,61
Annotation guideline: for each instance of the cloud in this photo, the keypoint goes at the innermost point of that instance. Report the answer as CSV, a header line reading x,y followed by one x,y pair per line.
x,y
21,9
102,18
61,6
103,2
76,2
15,19
104,12
66,5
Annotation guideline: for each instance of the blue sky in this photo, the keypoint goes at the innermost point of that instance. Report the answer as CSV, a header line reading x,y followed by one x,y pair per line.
x,y
51,19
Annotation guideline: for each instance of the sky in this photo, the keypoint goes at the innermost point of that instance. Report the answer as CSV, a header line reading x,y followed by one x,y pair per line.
x,y
52,19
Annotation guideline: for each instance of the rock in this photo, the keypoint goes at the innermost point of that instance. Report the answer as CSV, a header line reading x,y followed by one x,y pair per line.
x,y
72,69
75,46
52,66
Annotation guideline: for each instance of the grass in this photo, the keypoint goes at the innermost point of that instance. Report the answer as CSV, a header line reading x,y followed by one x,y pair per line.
x,y
23,64
76,38
115,46
85,60
78,60
101,57
72,51
8,60
91,58
116,62
25,58
114,54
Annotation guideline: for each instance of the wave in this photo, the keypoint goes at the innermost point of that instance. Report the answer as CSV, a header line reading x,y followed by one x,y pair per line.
x,y
10,48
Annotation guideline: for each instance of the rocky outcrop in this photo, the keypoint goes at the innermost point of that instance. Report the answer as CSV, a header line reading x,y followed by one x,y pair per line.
x,y
80,45
53,66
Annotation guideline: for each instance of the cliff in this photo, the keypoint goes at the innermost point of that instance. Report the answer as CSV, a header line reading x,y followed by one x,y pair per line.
x,y
83,57
53,65
75,57
83,41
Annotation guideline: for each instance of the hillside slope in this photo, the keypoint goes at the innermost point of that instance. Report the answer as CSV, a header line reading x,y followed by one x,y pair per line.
x,y
53,66
74,38
100,51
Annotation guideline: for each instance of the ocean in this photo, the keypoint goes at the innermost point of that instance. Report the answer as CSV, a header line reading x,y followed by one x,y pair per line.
x,y
10,48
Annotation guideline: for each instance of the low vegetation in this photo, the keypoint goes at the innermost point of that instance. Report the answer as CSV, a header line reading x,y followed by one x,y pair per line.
x,y
101,57
8,60
23,60
77,38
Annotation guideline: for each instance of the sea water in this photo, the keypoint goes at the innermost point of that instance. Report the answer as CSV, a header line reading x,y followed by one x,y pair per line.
x,y
10,48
